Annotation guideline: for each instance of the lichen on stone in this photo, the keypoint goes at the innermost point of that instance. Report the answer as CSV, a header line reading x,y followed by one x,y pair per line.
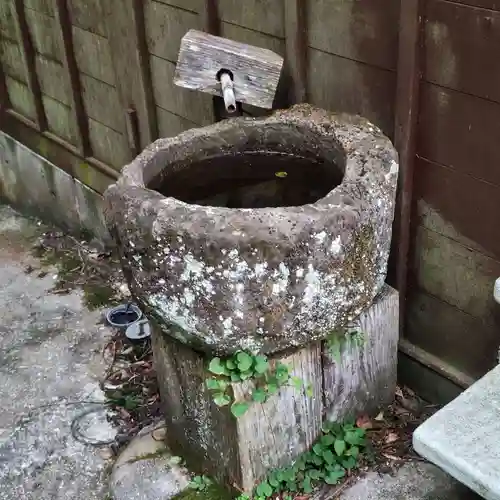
x,y
259,279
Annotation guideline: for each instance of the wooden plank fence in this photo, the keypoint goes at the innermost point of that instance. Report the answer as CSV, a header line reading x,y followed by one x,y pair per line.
x,y
88,83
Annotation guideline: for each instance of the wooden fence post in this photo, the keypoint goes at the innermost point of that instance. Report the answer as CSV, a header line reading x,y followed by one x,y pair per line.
x,y
64,33
296,49
4,95
130,55
29,60
406,114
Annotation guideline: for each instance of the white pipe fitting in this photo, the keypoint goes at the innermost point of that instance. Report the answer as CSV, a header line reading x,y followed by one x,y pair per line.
x,y
227,86
496,291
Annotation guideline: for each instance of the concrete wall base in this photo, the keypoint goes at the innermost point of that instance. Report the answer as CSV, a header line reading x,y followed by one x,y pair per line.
x,y
35,186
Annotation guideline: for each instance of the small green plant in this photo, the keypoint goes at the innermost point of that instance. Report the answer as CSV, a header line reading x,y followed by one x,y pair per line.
x,y
338,339
127,401
337,451
200,483
245,366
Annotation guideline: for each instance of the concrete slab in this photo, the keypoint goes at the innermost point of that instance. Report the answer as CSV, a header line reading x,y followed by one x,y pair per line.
x,y
414,481
50,365
146,471
462,438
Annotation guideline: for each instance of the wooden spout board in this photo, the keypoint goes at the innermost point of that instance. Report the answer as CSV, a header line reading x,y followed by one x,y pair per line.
x,y
256,72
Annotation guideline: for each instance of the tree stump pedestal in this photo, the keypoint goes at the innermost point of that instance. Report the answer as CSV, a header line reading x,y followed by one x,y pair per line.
x,y
358,378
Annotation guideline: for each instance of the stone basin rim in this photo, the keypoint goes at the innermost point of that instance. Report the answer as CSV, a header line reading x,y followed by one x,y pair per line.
x,y
353,137
264,279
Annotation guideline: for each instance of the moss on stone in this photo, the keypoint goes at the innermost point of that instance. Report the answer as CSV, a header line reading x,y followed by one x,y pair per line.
x,y
97,296
213,492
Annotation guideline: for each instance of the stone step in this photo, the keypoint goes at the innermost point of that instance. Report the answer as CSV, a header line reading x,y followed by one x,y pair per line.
x,y
463,438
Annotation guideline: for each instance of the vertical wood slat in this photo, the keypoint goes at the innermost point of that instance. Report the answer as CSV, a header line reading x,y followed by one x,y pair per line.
x,y
130,57
296,49
29,60
407,99
64,32
4,95
211,24
146,82
210,17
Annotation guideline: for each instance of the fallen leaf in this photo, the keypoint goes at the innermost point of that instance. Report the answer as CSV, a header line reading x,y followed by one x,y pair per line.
x,y
391,457
364,422
124,413
159,434
399,392
380,417
410,392
391,438
106,453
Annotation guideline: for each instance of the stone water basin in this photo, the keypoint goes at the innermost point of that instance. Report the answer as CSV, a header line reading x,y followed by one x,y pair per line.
x,y
257,234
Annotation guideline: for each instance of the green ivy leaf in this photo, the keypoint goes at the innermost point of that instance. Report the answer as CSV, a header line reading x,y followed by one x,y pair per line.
x,y
318,449
216,367
297,383
314,474
239,409
339,447
244,361
131,403
361,433
307,486
272,389
282,373
235,377
259,396
281,175
328,457
261,364
334,476
327,440
264,489
349,463
273,480
326,427
245,375
221,399
349,425
230,364
309,391
354,438
212,384
353,451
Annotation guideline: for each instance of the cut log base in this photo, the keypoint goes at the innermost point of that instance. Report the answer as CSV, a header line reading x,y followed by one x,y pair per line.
x,y
240,452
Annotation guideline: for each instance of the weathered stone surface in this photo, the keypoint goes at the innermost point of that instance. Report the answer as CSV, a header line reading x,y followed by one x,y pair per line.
x,y
261,279
145,470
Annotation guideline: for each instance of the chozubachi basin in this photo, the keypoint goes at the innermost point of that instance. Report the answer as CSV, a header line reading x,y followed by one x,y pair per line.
x,y
257,234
